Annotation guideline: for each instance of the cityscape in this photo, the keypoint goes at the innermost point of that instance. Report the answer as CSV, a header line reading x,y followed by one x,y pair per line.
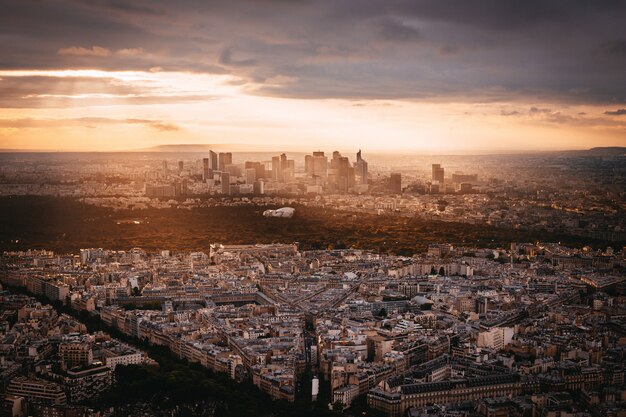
x,y
407,208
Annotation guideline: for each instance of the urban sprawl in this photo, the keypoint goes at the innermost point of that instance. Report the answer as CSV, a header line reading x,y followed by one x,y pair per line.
x,y
533,329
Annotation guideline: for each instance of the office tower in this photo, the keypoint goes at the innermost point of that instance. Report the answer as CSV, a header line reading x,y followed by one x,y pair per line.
x,y
395,183
225,179
213,161
289,171
165,166
438,174
233,170
308,164
283,166
205,169
334,163
320,164
259,187
361,168
180,166
250,175
343,173
459,177
276,167
223,159
258,167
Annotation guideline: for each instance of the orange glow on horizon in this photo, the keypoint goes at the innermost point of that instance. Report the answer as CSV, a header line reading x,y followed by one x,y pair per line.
x,y
123,110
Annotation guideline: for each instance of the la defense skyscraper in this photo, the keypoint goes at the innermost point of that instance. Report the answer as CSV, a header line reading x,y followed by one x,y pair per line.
x,y
360,168
438,173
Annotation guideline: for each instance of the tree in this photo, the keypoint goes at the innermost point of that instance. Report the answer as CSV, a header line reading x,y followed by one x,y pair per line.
x,y
337,406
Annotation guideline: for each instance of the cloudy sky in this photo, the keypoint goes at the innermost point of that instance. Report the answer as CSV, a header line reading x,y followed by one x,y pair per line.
x,y
419,75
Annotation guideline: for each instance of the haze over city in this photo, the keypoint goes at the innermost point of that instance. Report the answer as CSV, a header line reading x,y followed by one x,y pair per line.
x,y
312,208
429,76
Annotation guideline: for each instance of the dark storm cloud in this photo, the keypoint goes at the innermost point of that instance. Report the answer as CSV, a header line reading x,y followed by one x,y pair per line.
x,y
397,30
614,47
481,50
618,112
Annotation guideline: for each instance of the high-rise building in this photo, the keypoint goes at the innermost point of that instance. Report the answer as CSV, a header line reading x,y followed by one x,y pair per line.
x,y
250,175
258,167
213,161
395,183
180,166
342,177
360,168
223,159
205,169
334,163
259,187
276,168
283,167
308,165
289,172
438,173
225,179
320,165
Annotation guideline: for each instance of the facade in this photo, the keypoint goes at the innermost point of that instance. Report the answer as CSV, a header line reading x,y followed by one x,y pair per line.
x,y
225,179
395,183
396,402
37,390
438,173
76,353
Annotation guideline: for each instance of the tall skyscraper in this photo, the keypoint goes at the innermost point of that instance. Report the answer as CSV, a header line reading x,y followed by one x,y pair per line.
x,y
289,172
438,173
361,168
283,166
213,161
320,164
205,169
395,183
225,179
276,168
180,166
223,159
342,173
250,175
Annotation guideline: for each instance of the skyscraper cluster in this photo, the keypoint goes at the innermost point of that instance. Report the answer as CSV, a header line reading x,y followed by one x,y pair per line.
x,y
339,175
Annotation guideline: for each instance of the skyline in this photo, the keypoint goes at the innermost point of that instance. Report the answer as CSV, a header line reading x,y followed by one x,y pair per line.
x,y
435,77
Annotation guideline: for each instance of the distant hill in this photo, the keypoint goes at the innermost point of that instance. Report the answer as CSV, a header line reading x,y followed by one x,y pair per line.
x,y
600,151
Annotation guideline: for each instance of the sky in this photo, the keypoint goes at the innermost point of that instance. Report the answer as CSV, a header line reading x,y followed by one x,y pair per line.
x,y
435,76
